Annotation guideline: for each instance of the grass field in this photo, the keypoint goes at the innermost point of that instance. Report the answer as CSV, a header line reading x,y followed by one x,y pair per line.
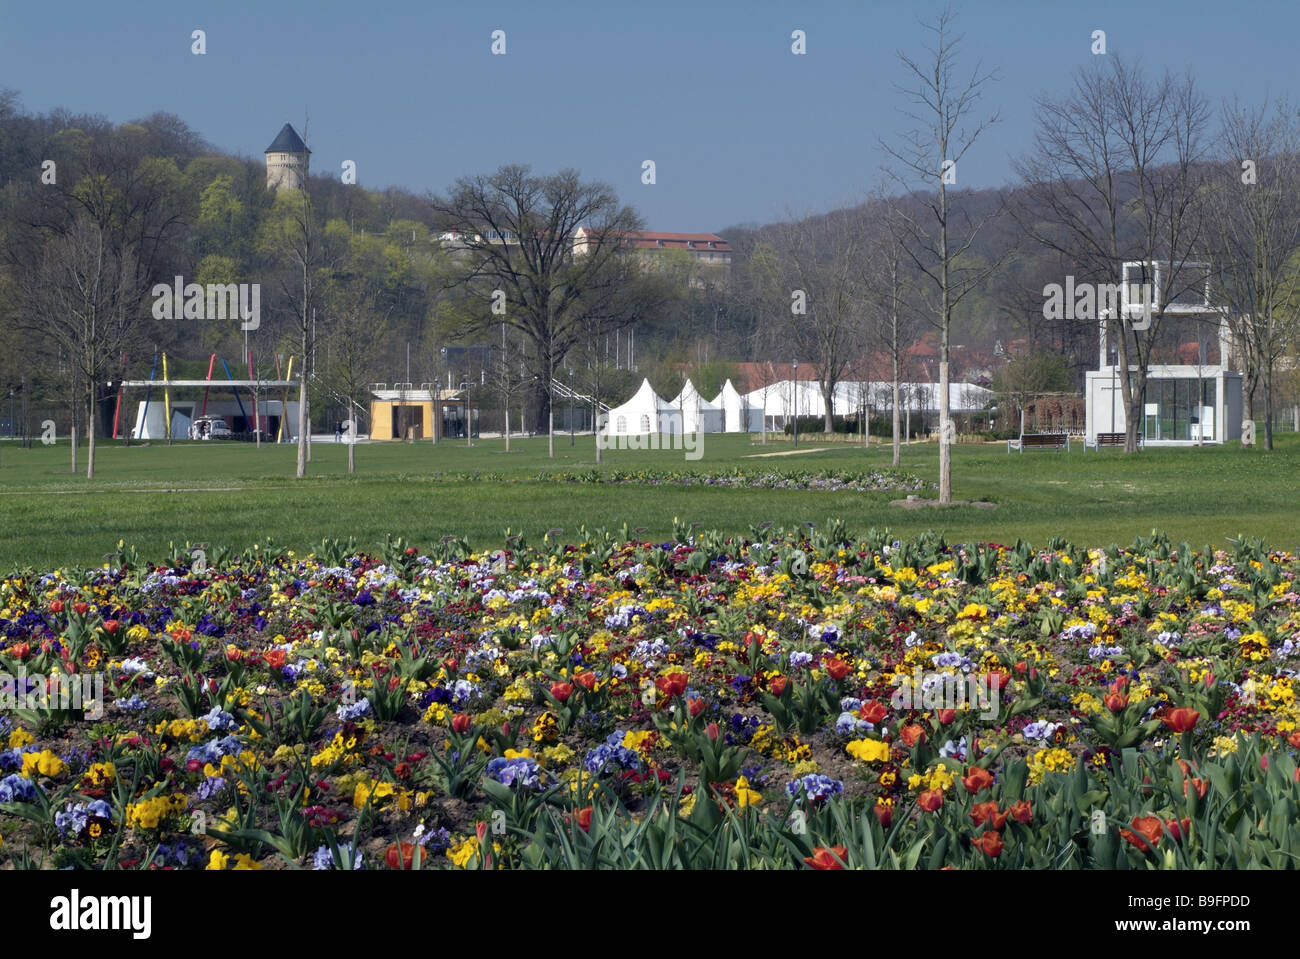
x,y
234,494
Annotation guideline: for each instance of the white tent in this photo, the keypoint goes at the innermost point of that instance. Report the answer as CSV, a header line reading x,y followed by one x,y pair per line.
x,y
698,414
780,400
739,415
645,412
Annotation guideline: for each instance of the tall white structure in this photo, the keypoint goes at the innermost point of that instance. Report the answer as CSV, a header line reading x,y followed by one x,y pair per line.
x,y
287,160
1197,400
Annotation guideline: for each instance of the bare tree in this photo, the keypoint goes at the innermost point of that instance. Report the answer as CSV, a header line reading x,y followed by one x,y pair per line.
x,y
886,283
820,267
1255,241
939,233
517,236
1114,176
295,245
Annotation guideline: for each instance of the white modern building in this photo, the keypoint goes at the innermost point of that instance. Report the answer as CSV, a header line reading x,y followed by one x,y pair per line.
x,y
1195,401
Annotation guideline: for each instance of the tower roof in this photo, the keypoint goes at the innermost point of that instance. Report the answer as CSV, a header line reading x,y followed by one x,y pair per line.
x,y
288,142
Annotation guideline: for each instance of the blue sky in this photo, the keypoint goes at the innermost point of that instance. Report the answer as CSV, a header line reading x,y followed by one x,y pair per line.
x,y
739,128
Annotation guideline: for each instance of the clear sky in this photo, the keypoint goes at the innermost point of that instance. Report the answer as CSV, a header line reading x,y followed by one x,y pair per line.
x,y
739,127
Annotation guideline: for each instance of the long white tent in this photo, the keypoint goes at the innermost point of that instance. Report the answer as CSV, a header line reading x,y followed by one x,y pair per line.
x,y
783,400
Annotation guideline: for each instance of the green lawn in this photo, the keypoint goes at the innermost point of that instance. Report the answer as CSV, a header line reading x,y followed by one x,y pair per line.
x,y
234,494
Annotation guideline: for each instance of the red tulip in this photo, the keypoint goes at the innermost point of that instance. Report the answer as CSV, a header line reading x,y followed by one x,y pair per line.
x,y
911,735
233,655
110,625
999,680
450,664
584,818
1022,811
400,855
562,691
695,706
80,607
21,650
930,800
822,858
1150,827
1181,720
947,716
885,813
1115,702
990,844
586,680
777,685
56,606
872,712
460,723
275,658
674,684
1178,829
836,667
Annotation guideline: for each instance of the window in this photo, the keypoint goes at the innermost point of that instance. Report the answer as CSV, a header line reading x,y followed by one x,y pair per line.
x,y
645,422
620,425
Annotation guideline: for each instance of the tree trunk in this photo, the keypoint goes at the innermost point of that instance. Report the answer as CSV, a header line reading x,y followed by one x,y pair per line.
x,y
90,436
74,432
507,409
542,412
302,425
1268,405
828,398
945,448
352,437
898,391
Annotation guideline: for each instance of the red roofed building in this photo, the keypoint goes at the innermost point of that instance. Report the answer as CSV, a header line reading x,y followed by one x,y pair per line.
x,y
708,249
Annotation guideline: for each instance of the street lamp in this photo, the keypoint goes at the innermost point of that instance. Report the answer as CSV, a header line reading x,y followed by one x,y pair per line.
x,y
796,404
570,405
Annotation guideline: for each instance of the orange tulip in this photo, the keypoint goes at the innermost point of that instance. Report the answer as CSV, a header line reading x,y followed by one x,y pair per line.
x,y
777,685
947,716
990,844
1115,702
1022,811
1178,829
1181,720
873,712
911,735
460,722
586,680
836,667
674,684
930,800
562,691
987,812
977,778
822,858
1150,827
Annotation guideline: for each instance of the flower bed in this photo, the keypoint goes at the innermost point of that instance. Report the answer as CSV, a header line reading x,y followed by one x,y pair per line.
x,y
834,481
779,701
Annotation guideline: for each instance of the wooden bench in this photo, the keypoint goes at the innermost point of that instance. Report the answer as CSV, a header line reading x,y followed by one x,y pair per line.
x,y
1110,439
1040,441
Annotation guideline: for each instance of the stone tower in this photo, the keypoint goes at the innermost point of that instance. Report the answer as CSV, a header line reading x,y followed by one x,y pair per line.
x,y
286,161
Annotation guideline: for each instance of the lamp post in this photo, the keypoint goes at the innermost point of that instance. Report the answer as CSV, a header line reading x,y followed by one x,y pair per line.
x,y
570,405
796,404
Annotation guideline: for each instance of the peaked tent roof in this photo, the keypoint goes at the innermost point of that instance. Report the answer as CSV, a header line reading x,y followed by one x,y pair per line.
x,y
691,395
730,395
287,142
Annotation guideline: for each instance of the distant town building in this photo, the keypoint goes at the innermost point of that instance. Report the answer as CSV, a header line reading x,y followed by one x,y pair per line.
x,y
287,160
